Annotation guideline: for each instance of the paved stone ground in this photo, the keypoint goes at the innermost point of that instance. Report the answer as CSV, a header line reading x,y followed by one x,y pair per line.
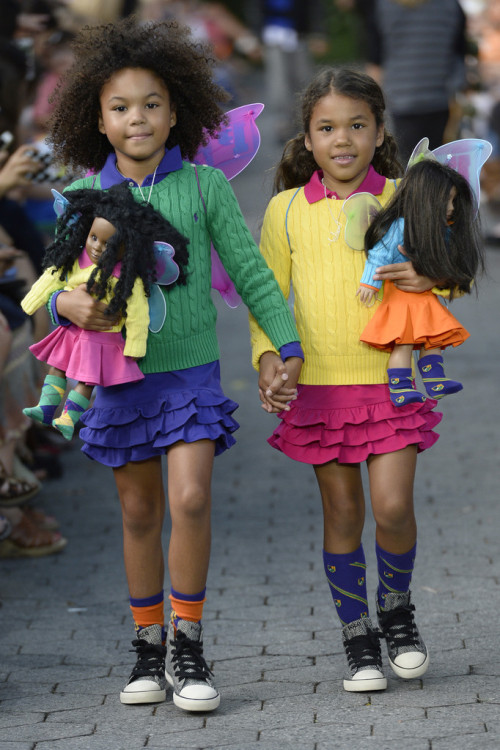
x,y
271,632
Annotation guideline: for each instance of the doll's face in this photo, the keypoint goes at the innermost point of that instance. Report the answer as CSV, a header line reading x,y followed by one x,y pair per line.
x,y
97,240
451,204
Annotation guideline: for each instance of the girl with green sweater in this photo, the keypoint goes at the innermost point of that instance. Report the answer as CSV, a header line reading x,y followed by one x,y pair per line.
x,y
136,106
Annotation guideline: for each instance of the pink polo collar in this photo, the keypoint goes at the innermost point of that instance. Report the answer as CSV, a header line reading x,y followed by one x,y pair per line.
x,y
314,190
84,262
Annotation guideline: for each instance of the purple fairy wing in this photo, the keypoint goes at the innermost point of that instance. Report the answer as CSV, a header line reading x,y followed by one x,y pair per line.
x,y
231,151
466,156
236,144
360,210
167,270
222,282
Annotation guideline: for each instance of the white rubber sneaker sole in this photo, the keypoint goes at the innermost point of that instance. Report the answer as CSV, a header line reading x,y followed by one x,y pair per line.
x,y
135,695
366,681
195,702
410,671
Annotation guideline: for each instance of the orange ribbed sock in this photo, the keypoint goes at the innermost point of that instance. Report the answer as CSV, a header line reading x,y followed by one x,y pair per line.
x,y
187,606
148,611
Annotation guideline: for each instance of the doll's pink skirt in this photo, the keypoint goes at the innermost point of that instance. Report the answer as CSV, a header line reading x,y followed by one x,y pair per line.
x,y
350,423
90,357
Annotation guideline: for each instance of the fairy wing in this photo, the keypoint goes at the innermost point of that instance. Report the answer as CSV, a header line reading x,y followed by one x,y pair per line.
x,y
60,202
231,150
167,271
466,156
234,147
360,210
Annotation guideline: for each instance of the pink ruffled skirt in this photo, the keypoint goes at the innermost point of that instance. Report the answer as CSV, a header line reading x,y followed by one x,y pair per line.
x,y
350,423
90,357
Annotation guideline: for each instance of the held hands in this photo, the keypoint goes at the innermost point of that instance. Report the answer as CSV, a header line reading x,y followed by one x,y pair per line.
x,y
84,311
366,295
278,381
404,276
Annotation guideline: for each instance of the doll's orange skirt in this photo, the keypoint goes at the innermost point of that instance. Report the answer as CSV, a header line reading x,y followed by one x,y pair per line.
x,y
411,318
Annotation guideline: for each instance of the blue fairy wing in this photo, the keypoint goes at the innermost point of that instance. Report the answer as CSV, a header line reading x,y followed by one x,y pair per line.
x,y
60,203
360,209
467,157
167,270
157,309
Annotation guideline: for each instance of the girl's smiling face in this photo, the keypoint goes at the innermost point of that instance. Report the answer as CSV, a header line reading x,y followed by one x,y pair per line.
x,y
342,137
136,117
97,240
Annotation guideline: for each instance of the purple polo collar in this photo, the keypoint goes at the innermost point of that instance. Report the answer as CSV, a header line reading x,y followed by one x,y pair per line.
x,y
171,162
314,191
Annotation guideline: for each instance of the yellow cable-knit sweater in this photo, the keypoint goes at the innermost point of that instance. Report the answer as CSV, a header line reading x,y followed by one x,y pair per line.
x,y
325,276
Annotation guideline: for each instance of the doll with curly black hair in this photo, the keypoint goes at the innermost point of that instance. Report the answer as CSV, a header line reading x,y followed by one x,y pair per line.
x,y
136,106
104,239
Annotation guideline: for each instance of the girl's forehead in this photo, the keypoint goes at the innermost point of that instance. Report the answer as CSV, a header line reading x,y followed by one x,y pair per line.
x,y
337,106
129,80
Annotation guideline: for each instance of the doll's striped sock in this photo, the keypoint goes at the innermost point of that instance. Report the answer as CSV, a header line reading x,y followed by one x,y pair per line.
x,y
436,383
394,572
51,396
346,575
74,407
402,387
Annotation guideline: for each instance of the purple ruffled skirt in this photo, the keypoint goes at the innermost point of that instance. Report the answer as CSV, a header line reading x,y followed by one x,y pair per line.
x,y
350,423
136,421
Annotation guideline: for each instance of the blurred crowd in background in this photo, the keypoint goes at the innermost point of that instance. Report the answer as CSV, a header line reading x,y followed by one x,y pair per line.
x,y
267,49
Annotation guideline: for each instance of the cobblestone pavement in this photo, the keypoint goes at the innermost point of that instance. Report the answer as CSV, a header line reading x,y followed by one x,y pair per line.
x,y
271,633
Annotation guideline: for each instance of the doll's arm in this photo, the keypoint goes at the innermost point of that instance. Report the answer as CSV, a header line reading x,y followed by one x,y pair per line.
x,y
366,294
383,252
41,290
136,322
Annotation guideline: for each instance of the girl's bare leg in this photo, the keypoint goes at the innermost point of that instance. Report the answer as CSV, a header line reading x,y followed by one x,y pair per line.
x,y
140,489
189,492
343,505
391,478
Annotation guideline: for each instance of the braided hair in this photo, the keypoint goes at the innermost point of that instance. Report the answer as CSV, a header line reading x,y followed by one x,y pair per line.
x,y
137,227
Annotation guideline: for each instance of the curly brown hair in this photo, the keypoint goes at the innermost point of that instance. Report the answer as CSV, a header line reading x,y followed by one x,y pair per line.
x,y
164,48
297,163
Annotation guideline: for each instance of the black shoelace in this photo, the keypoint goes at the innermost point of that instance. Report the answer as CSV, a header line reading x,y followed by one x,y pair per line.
x,y
398,625
187,657
150,659
364,650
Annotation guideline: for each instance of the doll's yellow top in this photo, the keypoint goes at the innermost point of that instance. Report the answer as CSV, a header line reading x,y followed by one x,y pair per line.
x,y
136,322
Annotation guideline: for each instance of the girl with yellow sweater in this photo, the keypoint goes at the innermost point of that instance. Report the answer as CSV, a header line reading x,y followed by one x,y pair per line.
x,y
343,414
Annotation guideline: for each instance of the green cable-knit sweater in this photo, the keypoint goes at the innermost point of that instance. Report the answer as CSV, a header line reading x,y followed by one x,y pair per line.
x,y
188,336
